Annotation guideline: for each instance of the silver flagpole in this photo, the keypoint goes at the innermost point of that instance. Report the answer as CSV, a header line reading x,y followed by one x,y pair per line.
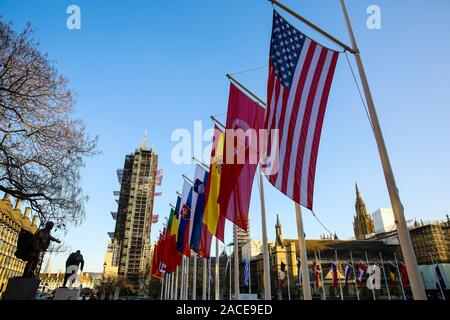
x,y
249,277
204,279
288,256
194,278
373,290
186,288
182,279
399,277
167,286
437,277
209,280
265,249
416,282
321,276
385,278
176,286
338,266
216,273
230,277
169,291
354,276
172,282
303,253
162,286
236,265
288,282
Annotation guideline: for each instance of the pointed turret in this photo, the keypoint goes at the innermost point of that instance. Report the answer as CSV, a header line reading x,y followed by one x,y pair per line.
x,y
358,195
279,235
363,223
144,141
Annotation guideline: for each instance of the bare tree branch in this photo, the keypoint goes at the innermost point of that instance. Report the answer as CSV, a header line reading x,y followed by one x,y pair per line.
x,y
41,146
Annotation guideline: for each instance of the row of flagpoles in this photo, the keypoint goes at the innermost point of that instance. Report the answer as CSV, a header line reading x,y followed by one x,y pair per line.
x,y
300,76
391,276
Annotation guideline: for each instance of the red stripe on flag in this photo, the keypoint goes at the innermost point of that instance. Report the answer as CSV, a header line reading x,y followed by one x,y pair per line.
x,y
306,124
294,114
318,130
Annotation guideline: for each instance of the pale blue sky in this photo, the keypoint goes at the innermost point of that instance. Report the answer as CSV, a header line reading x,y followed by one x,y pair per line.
x,y
160,65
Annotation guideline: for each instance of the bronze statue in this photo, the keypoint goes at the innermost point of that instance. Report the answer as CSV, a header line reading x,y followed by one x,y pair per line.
x,y
74,259
30,246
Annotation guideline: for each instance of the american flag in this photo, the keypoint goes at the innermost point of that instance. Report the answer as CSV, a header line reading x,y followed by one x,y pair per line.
x,y
155,218
300,76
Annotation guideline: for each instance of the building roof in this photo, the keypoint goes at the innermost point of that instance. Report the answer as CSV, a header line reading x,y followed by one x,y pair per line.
x,y
358,248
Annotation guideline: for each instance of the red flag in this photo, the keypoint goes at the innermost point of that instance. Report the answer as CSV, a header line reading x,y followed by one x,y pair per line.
x,y
316,273
205,242
156,260
404,273
244,120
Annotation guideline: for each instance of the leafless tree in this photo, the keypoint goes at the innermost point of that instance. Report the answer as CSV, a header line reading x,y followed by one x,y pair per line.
x,y
42,148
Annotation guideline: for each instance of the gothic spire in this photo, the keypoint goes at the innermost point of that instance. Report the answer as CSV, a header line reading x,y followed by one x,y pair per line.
x,y
363,224
358,195
144,141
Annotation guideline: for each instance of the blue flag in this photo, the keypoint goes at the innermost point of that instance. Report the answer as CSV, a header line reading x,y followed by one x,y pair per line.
x,y
440,278
185,217
348,270
246,272
198,206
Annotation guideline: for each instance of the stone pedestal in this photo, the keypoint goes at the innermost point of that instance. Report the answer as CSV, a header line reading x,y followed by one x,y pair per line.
x,y
67,294
21,289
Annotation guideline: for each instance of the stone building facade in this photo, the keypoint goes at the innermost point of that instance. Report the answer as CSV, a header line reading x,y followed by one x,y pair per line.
x,y
12,220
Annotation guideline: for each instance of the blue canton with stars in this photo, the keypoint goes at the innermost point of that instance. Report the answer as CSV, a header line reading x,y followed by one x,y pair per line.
x,y
286,45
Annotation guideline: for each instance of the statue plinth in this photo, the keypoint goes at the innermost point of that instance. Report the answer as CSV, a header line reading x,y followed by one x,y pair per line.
x,y
20,288
67,294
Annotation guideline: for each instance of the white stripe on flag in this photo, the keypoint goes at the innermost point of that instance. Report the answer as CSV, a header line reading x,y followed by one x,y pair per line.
x,y
299,122
288,113
312,127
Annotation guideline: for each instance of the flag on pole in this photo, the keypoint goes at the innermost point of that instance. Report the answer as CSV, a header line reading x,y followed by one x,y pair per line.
x,y
316,268
404,273
299,270
212,217
173,257
155,218
440,278
334,275
246,272
348,271
241,157
185,219
227,269
393,275
155,261
282,274
204,249
211,278
198,207
361,270
164,246
176,219
300,76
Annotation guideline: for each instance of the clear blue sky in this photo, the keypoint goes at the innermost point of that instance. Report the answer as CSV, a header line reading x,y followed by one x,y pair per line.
x,y
159,65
